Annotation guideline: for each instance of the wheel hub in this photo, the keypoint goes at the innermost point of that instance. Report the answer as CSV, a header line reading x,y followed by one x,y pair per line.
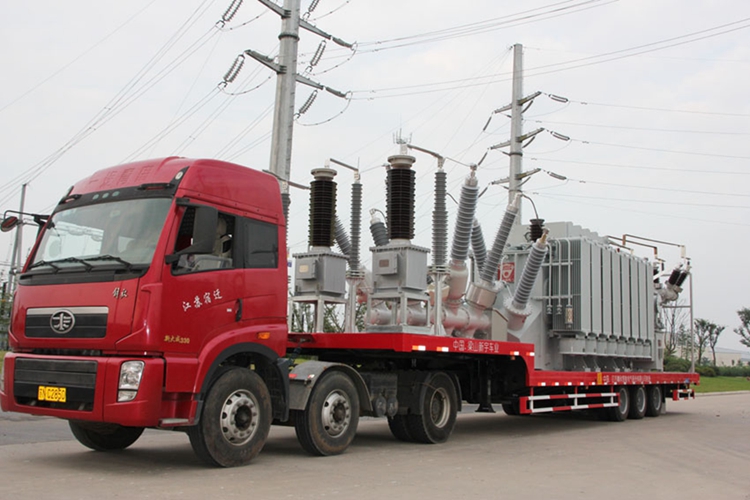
x,y
239,417
439,408
336,414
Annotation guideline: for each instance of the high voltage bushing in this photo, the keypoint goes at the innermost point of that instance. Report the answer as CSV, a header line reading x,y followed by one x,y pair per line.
x,y
377,230
536,228
400,197
478,245
356,225
322,208
530,271
489,270
342,239
440,221
467,204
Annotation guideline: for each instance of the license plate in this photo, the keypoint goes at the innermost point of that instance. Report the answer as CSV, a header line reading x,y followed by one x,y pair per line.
x,y
52,394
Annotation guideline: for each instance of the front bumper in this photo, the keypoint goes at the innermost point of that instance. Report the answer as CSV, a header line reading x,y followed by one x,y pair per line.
x,y
90,383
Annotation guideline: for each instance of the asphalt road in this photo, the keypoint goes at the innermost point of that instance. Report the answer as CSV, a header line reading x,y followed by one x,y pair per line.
x,y
698,450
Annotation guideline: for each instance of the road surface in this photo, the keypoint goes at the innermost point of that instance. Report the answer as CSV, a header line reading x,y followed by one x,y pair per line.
x,y
699,449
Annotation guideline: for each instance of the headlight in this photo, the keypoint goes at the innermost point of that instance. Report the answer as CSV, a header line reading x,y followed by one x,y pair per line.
x,y
130,379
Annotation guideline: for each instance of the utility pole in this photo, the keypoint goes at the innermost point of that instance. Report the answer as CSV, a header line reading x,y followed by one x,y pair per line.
x,y
519,104
516,128
16,261
286,83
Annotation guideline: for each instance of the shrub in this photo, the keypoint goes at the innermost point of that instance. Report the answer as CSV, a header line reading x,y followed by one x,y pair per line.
x,y
733,371
675,364
706,371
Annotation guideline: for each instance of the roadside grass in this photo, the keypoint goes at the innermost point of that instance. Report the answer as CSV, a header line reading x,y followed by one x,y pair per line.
x,y
723,384
2,358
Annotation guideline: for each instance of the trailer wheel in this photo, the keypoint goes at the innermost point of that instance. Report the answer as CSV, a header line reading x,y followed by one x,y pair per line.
x,y
654,401
637,402
104,437
512,409
439,408
235,420
328,425
399,426
620,412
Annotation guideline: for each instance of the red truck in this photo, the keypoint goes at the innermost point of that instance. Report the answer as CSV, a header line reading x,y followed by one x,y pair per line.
x,y
156,295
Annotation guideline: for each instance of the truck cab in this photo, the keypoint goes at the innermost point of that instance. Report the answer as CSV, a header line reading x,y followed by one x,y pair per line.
x,y
147,283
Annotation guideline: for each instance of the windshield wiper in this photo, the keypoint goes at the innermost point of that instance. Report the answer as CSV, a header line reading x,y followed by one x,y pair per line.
x,y
124,262
43,263
51,264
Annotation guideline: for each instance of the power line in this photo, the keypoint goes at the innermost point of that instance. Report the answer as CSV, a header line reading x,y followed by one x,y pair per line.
x,y
659,150
586,61
668,110
647,129
642,167
655,202
631,211
77,58
659,188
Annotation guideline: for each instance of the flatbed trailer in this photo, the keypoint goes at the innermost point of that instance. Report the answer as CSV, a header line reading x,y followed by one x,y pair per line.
x,y
482,372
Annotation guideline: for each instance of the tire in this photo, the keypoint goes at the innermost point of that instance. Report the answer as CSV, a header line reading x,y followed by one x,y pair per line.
x,y
328,425
235,420
654,401
638,403
439,408
104,437
620,412
512,409
399,426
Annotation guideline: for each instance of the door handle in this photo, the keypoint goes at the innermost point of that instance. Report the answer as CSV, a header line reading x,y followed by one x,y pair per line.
x,y
238,314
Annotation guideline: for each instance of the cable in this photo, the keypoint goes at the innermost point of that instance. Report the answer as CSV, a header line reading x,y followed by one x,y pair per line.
x,y
646,108
658,214
123,98
693,153
617,165
623,53
621,127
77,58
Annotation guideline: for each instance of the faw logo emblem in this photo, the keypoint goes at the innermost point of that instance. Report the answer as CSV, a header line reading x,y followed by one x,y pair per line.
x,y
62,321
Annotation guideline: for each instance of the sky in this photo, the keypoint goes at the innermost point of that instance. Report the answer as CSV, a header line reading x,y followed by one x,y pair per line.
x,y
643,104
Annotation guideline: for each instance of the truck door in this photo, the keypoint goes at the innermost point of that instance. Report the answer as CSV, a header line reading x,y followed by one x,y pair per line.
x,y
239,287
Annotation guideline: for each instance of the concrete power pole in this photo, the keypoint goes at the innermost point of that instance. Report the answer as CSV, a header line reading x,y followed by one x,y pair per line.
x,y
518,105
286,85
516,128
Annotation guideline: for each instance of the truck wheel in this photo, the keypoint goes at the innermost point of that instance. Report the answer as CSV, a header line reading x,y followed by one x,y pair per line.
x,y
104,437
654,401
637,403
328,425
620,412
399,426
235,420
439,408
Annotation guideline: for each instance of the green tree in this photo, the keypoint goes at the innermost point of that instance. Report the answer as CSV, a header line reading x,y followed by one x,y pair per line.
x,y
744,330
707,335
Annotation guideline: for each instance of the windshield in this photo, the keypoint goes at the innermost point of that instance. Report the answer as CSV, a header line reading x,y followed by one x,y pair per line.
x,y
120,232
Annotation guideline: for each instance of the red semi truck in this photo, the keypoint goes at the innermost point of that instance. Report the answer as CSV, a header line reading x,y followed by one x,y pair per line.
x,y
156,296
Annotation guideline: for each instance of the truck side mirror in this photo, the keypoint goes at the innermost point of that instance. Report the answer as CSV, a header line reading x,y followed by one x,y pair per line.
x,y
204,233
9,223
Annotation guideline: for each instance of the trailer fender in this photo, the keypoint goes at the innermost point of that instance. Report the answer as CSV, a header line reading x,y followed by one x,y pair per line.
x,y
305,375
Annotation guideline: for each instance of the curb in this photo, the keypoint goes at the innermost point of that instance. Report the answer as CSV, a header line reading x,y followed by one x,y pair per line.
x,y
726,393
